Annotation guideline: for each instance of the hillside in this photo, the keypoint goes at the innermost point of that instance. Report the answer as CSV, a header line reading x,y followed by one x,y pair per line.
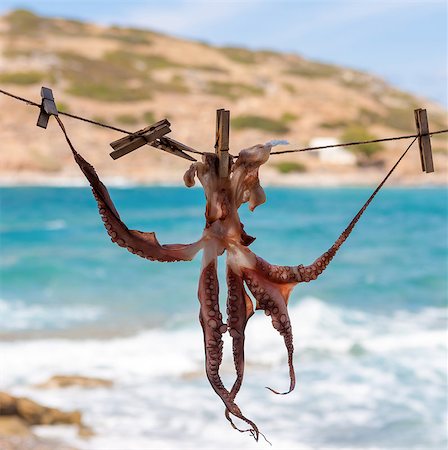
x,y
130,78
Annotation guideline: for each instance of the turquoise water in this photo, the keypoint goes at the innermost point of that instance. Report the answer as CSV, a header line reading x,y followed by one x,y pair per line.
x,y
370,332
56,253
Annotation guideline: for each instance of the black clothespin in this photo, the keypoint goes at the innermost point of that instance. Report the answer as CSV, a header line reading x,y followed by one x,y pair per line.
x,y
47,107
222,141
424,140
136,140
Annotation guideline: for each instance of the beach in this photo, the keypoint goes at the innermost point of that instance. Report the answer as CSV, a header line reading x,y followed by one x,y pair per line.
x,y
172,176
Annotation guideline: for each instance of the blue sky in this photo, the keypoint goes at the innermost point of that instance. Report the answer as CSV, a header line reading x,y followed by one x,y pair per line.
x,y
403,41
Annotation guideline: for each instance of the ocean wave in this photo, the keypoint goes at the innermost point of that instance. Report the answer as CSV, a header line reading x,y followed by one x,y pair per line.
x,y
19,316
362,380
317,327
323,334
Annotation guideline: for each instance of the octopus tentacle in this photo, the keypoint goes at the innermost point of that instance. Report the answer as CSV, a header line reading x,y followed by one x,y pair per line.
x,y
311,272
277,274
273,302
301,273
140,243
239,310
213,329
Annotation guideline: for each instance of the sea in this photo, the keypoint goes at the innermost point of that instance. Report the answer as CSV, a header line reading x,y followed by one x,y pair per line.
x,y
370,333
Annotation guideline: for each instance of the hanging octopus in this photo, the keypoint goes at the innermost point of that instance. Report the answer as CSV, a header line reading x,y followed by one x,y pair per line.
x,y
270,285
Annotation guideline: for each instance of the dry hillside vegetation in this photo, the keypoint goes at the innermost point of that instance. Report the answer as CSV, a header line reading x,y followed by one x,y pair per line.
x,y
130,78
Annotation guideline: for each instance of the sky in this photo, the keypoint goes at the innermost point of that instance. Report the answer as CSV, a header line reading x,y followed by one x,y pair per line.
x,y
403,41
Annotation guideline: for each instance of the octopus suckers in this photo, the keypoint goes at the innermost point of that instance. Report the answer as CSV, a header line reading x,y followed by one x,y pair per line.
x,y
212,323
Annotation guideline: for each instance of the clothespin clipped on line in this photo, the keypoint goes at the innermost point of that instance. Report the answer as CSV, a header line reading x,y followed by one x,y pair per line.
x,y
174,147
136,140
222,141
424,140
47,107
151,135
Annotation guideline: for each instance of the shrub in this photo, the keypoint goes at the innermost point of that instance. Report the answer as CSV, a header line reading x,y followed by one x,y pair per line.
x,y
355,133
232,90
176,84
269,53
80,69
369,117
289,117
128,36
149,117
100,119
108,93
63,107
102,80
240,55
290,88
332,125
313,70
401,119
126,119
148,61
209,68
260,123
13,52
23,21
22,78
290,167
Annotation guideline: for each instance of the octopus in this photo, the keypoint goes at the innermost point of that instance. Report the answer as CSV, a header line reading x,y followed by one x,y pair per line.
x,y
246,273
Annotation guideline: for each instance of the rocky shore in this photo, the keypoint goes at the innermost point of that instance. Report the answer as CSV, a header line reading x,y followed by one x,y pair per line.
x,y
19,416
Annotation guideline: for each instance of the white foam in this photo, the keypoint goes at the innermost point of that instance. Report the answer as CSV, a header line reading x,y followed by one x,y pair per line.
x,y
357,369
17,315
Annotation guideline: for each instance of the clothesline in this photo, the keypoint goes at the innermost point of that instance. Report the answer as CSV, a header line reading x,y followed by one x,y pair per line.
x,y
278,152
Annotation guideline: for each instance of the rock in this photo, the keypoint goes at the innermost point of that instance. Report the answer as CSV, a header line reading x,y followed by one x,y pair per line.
x,y
64,381
8,404
35,414
13,426
32,443
85,432
18,413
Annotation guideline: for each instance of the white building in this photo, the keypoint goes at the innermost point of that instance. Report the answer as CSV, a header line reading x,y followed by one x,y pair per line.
x,y
336,155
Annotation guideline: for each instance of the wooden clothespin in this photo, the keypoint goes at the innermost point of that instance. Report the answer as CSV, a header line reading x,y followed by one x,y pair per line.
x,y
424,140
222,141
47,107
174,147
136,140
